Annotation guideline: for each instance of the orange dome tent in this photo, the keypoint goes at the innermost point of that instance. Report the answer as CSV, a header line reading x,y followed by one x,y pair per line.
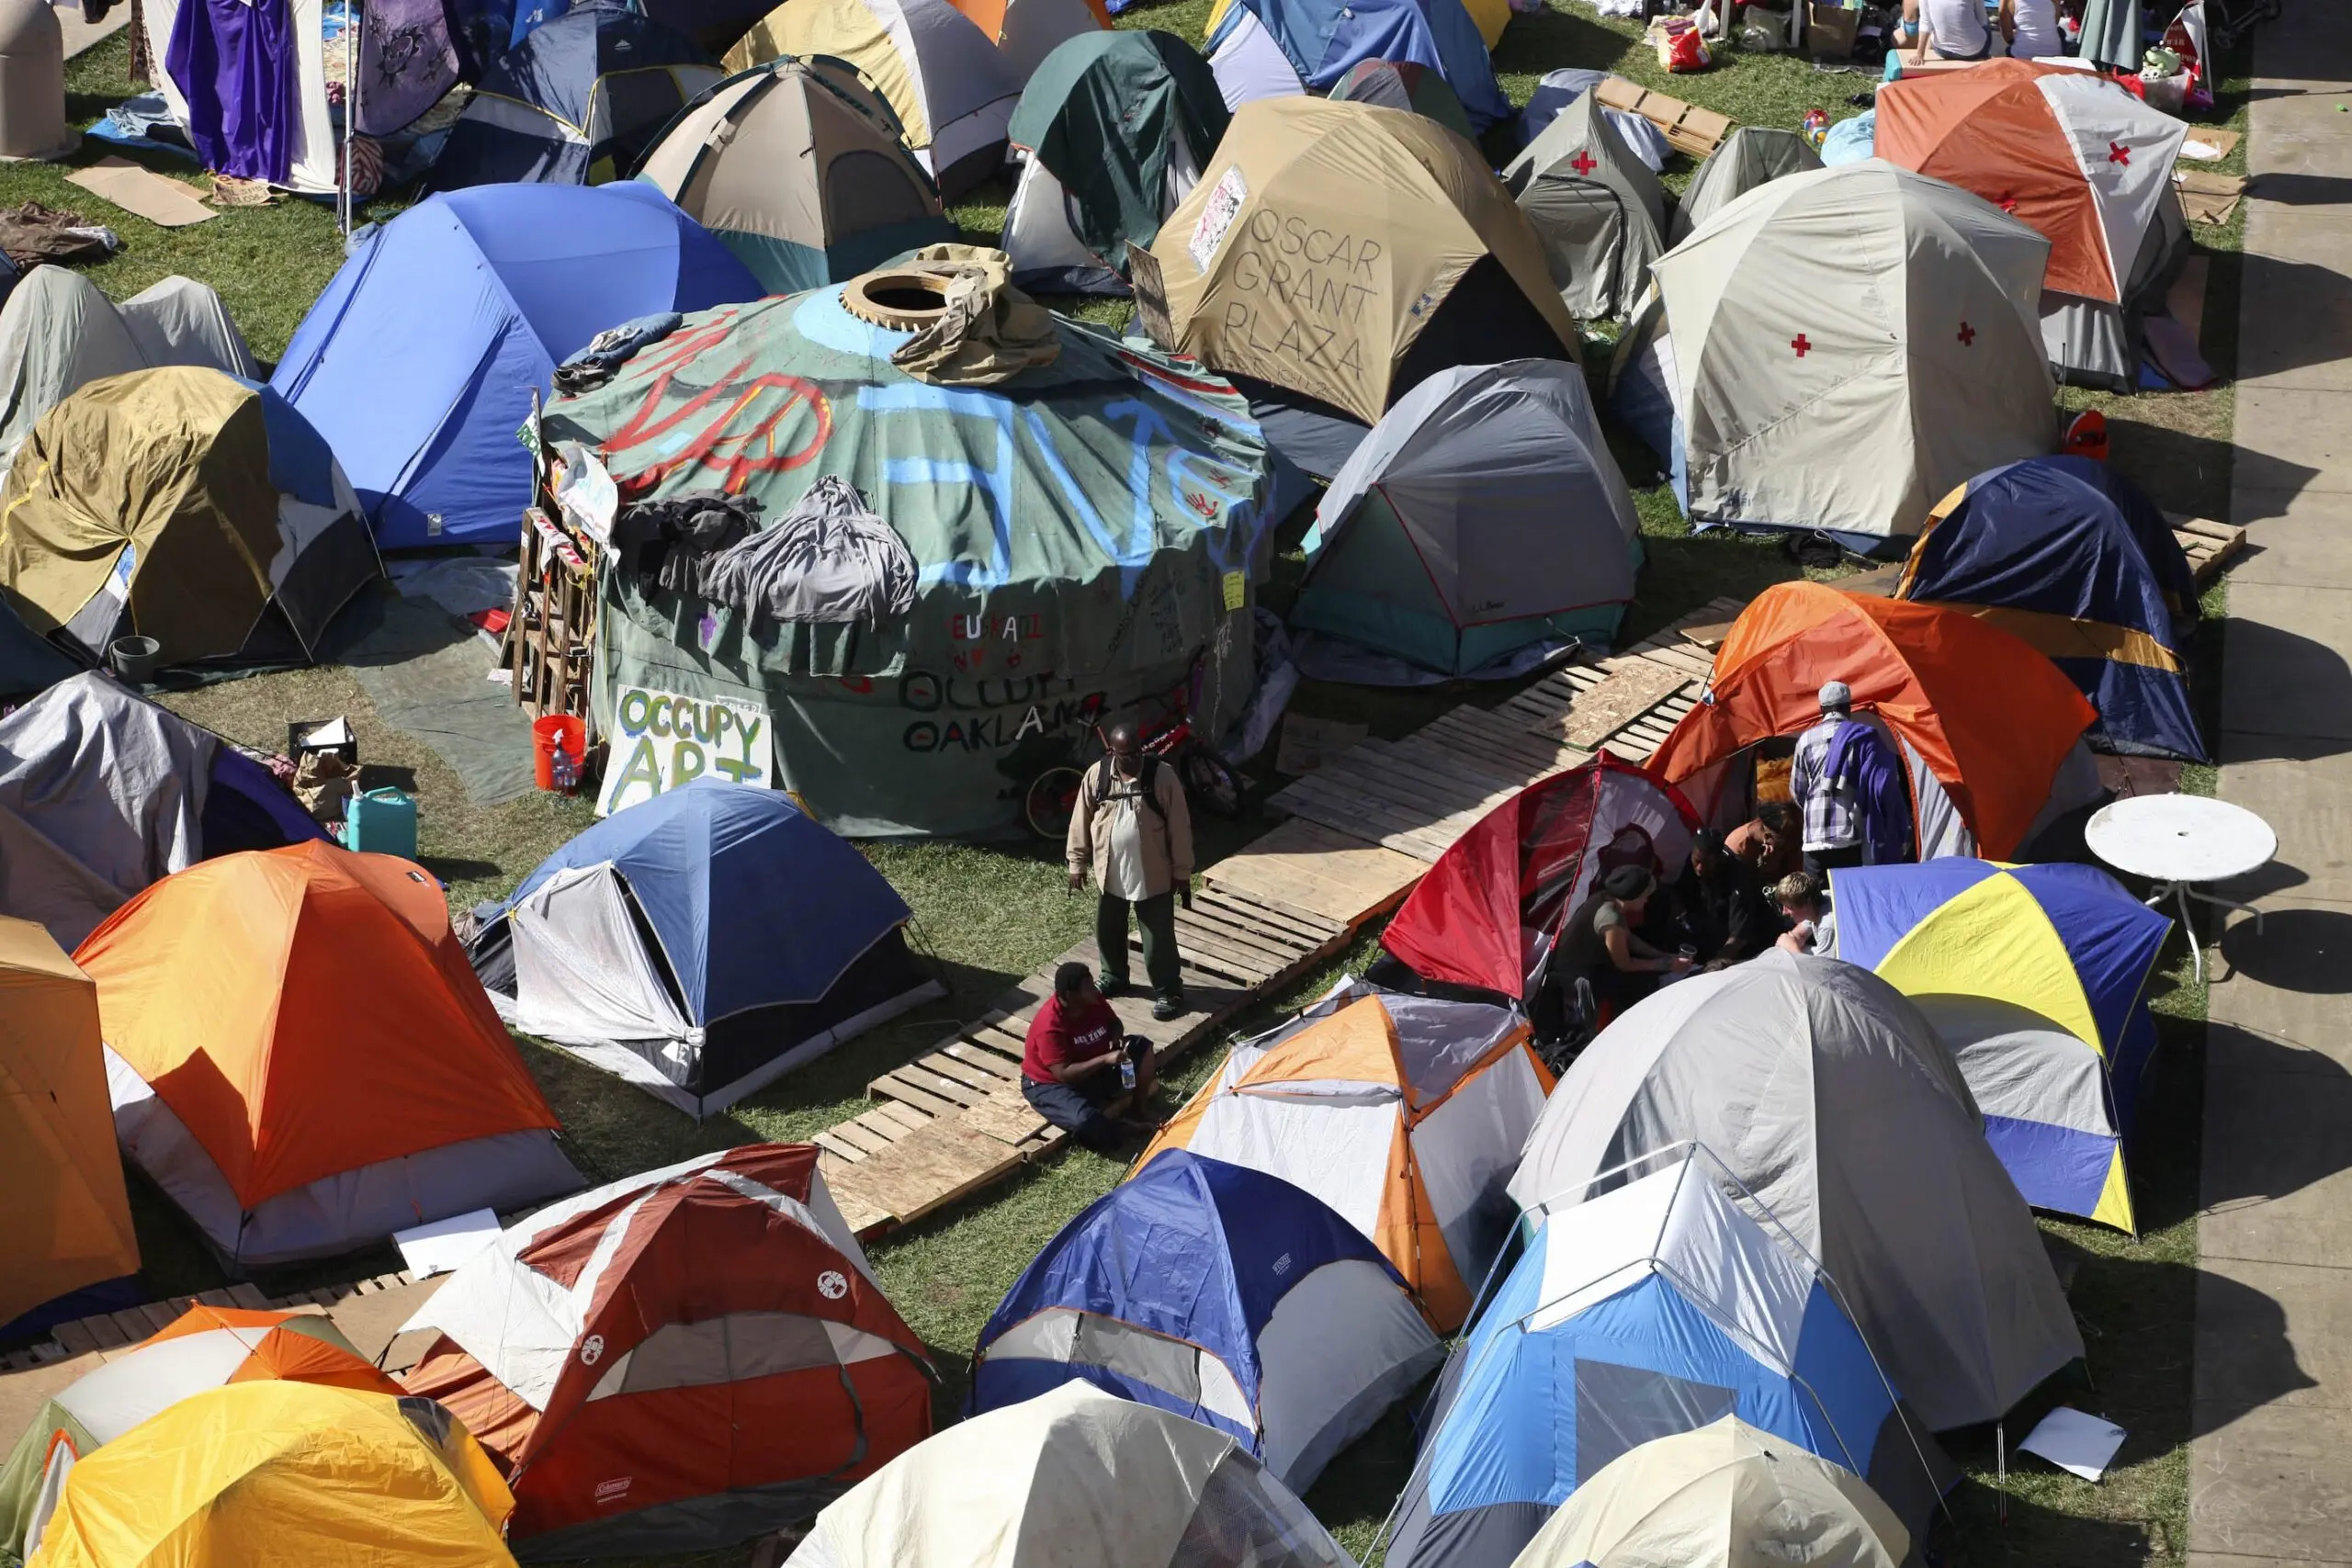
x,y
300,1056
1991,731
68,1242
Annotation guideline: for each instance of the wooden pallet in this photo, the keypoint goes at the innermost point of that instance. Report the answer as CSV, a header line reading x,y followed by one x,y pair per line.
x,y
954,1121
107,1332
2209,546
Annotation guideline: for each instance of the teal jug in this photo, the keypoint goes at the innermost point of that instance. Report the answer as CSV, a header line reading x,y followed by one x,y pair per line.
x,y
382,822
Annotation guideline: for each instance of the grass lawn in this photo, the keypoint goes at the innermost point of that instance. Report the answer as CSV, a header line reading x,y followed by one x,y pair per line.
x,y
989,914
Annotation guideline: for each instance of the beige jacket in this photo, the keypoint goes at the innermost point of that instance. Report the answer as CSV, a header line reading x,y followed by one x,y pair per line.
x,y
1167,842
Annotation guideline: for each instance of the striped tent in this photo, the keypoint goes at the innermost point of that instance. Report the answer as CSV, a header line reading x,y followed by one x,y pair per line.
x,y
2035,975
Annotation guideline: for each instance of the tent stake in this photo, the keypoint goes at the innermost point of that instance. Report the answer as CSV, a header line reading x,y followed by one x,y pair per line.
x,y
2001,1465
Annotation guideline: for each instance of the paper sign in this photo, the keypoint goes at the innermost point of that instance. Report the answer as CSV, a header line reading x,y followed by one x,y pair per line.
x,y
1237,591
1216,216
660,739
165,203
441,1246
2078,1444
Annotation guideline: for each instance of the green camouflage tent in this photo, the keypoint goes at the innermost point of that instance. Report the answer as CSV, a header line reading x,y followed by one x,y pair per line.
x,y
1077,539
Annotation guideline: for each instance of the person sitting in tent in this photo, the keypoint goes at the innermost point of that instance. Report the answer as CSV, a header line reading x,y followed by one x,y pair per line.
x,y
1719,911
1073,1068
1602,950
1769,843
1804,898
1133,829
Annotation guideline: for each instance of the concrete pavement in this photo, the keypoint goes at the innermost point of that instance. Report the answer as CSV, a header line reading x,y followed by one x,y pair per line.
x,y
81,35
2270,1470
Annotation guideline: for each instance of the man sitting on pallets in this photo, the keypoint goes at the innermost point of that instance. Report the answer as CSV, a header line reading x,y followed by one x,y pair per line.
x,y
1080,1072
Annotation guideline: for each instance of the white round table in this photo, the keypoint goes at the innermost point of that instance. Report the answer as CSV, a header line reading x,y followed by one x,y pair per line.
x,y
2179,841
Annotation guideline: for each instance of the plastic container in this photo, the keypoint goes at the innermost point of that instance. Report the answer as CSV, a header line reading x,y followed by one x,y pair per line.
x,y
568,732
135,658
381,822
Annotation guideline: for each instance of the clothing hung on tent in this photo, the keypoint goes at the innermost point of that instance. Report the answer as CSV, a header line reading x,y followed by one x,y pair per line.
x,y
234,59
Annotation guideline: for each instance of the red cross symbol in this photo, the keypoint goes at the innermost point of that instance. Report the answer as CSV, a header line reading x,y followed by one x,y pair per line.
x,y
1967,335
1583,164
2118,154
1802,345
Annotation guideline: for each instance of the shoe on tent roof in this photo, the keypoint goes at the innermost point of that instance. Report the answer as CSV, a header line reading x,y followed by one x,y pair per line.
x,y
797,166
1832,1104
1110,134
1074,1476
577,102
2036,977
188,506
519,278
1263,1314
1483,512
771,942
2068,555
676,1361
1653,1304
1750,156
68,1243
300,1058
1989,730
205,1346
1596,206
1723,1495
1419,261
278,1475
2084,161
1413,1152
951,87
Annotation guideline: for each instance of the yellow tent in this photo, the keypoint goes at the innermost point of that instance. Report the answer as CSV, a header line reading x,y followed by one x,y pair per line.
x,y
272,1475
69,1222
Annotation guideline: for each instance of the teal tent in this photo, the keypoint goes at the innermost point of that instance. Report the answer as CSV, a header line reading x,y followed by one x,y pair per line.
x,y
1076,539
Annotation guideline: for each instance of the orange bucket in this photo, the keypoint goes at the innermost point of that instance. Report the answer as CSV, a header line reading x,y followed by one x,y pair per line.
x,y
568,729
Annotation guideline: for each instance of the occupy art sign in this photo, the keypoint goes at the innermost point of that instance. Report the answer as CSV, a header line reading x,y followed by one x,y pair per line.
x,y
660,739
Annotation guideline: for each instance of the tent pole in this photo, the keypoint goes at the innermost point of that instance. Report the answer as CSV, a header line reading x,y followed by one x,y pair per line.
x,y
344,203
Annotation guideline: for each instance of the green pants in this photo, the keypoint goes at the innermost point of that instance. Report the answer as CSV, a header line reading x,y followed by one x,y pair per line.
x,y
1157,916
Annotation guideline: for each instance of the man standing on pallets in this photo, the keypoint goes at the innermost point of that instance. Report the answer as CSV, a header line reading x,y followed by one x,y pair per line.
x,y
1132,829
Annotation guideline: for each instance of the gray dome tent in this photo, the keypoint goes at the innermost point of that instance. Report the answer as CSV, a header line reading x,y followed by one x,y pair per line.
x,y
1596,206
1750,156
1483,512
1837,1108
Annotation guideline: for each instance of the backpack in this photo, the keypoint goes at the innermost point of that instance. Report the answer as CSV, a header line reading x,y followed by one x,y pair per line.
x,y
1098,784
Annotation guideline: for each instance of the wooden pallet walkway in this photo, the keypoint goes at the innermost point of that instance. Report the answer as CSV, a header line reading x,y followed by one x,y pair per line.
x,y
108,1334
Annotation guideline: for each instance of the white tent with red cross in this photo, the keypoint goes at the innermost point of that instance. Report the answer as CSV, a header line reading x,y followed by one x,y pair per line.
x,y
1839,348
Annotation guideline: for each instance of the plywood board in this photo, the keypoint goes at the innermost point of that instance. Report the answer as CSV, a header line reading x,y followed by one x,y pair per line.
x,y
1308,867
1631,692
1008,1120
1307,743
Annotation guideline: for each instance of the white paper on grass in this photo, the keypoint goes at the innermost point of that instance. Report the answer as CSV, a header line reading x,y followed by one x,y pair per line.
x,y
2078,1444
440,1246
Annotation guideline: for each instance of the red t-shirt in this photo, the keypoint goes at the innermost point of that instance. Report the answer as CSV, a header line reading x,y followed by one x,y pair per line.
x,y
1057,1039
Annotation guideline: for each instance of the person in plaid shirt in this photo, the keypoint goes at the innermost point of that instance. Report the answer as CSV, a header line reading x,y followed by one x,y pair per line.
x,y
1831,807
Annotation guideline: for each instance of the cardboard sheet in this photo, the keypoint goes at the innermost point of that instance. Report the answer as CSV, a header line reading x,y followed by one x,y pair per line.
x,y
2078,1444
165,203
2209,145
441,1246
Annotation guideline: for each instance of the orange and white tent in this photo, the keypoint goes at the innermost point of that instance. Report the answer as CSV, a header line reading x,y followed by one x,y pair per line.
x,y
68,1219
1403,1114
677,1361
2081,159
204,1347
300,1055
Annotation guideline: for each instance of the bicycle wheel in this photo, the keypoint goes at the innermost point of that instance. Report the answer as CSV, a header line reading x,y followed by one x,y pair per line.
x,y
1211,781
1051,800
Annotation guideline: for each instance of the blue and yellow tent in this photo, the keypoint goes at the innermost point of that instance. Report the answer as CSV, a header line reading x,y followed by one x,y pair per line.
x,y
2070,556
2035,977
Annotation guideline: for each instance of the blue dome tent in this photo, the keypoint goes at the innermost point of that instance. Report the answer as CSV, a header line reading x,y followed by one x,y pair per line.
x,y
2035,977
1262,47
514,279
701,944
2070,556
1655,1309
1224,1294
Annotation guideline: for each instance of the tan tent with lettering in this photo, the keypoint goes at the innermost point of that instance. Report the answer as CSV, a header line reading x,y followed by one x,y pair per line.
x,y
1344,252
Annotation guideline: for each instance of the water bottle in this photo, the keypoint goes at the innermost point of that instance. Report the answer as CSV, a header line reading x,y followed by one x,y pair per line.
x,y
1126,1072
563,768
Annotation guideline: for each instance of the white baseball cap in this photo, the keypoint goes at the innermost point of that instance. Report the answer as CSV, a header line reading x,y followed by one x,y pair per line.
x,y
1837,694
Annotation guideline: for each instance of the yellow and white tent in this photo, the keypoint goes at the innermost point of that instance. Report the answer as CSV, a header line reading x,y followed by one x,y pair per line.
x,y
952,90
276,1474
1403,1114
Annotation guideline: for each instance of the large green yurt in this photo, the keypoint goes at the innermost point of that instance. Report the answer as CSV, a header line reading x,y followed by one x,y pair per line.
x,y
981,529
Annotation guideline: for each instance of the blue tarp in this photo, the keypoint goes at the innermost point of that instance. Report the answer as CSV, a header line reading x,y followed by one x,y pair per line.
x,y
510,280
1323,39
2071,556
754,902
1194,1250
